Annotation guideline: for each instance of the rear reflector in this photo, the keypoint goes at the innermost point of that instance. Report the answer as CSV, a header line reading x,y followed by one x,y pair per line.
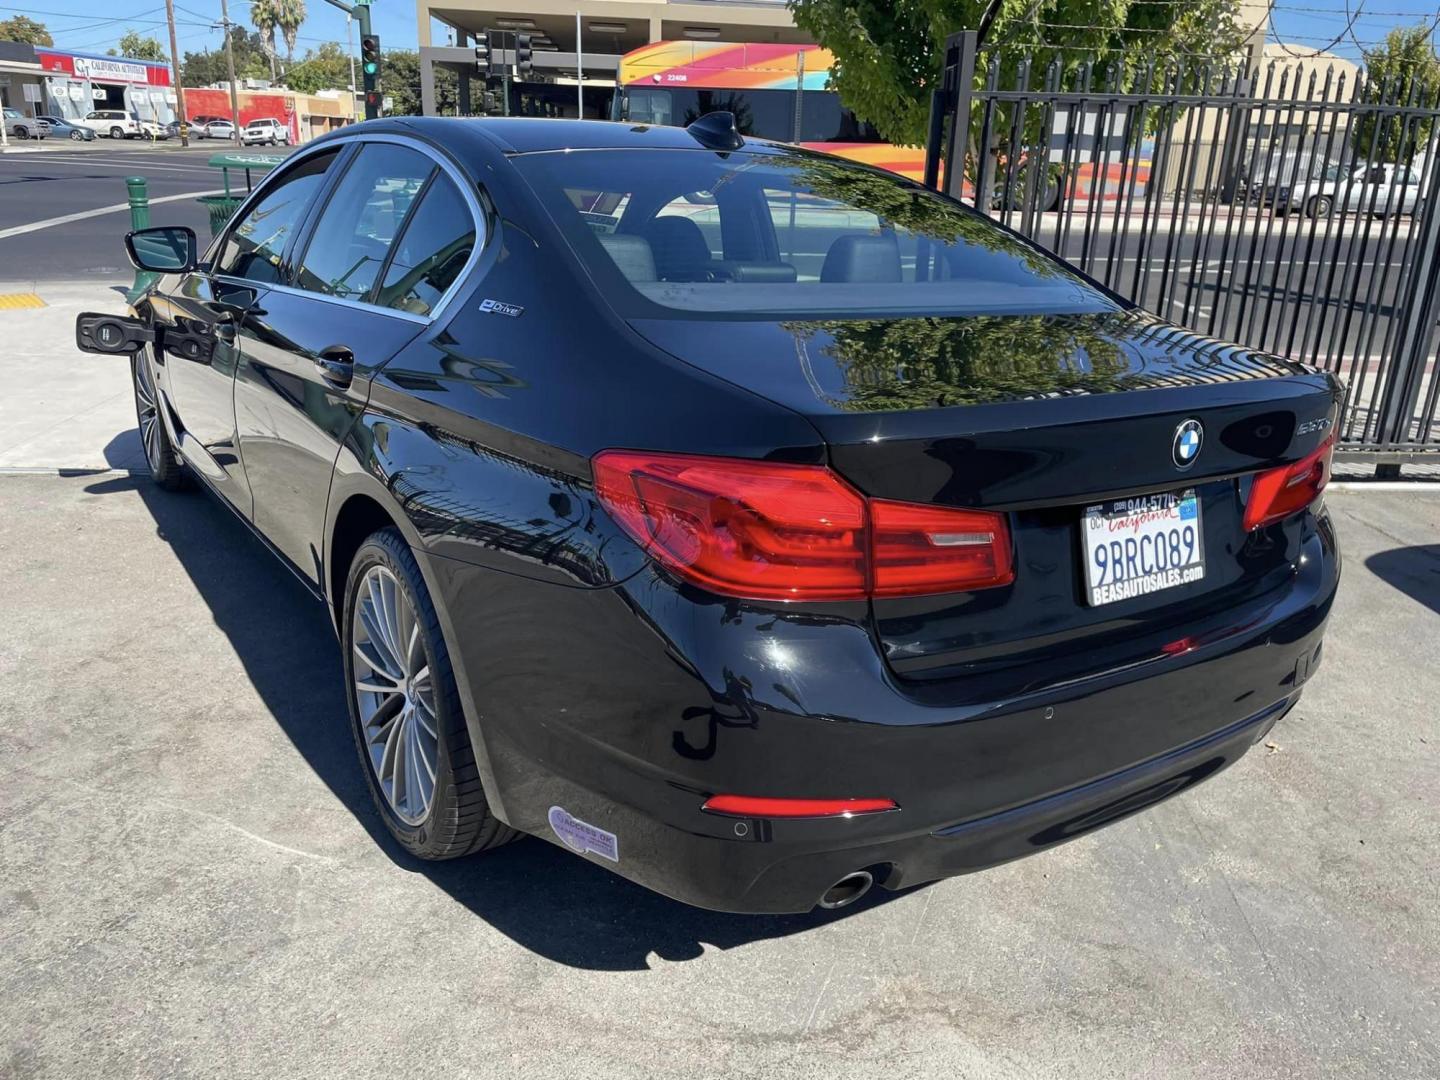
x,y
1278,493
751,806
770,531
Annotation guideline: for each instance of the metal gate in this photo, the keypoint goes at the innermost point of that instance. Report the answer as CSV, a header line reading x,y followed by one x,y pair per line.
x,y
1292,208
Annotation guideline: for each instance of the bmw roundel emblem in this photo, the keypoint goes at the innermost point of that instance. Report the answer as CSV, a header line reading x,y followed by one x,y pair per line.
x,y
1189,437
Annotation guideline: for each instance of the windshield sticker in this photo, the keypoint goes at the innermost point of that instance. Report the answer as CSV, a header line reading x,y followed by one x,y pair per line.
x,y
499,307
582,837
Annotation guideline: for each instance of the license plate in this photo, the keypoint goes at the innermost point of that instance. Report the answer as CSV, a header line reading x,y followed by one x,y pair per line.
x,y
1134,547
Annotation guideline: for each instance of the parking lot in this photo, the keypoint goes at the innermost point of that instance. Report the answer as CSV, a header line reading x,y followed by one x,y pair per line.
x,y
195,884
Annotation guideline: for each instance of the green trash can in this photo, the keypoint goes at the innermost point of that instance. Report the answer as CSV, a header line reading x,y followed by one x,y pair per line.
x,y
222,207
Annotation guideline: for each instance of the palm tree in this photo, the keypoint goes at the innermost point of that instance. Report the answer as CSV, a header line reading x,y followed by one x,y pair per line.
x,y
289,14
265,14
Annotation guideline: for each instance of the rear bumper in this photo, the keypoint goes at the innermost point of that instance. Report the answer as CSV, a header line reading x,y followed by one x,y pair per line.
x,y
657,700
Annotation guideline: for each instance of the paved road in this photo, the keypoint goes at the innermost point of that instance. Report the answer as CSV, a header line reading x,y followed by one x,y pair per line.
x,y
192,882
39,186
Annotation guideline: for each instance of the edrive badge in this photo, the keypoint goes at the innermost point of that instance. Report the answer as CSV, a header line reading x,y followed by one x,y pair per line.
x,y
1189,437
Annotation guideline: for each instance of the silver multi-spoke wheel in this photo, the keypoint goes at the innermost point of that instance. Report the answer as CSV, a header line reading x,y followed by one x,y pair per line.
x,y
147,413
396,695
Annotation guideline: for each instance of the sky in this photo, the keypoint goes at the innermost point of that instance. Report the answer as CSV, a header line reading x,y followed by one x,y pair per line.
x,y
87,25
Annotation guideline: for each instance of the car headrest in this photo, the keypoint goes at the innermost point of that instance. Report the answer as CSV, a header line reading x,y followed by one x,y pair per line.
x,y
679,247
762,273
631,254
862,257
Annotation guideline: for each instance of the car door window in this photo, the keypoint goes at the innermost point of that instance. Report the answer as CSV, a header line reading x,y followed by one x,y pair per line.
x,y
431,252
361,220
254,248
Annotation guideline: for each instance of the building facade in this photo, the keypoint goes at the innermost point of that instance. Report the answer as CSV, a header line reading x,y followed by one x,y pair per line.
x,y
75,83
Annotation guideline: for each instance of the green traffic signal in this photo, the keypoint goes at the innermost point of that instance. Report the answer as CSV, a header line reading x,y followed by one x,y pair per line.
x,y
371,67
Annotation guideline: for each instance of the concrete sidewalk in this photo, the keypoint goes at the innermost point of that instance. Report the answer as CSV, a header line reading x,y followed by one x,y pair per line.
x,y
61,408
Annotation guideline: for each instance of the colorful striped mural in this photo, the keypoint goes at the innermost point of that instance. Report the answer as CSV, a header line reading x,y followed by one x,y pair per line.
x,y
720,65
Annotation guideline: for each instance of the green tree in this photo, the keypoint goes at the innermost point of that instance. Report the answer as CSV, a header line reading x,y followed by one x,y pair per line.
x,y
889,53
138,46
400,81
27,30
208,67
325,68
265,14
1405,67
289,16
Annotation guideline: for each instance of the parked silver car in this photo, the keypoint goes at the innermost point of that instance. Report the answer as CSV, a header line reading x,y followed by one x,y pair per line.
x,y
20,126
1380,189
61,128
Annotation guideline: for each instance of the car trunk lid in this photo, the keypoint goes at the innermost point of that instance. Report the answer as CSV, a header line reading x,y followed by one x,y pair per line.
x,y
1040,418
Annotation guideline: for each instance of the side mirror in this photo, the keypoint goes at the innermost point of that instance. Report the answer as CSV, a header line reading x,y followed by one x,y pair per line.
x,y
167,249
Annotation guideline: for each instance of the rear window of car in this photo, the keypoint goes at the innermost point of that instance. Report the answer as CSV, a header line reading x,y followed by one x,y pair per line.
x,y
787,234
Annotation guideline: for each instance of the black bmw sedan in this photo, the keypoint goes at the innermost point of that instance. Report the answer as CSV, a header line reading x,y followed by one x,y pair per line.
x,y
756,524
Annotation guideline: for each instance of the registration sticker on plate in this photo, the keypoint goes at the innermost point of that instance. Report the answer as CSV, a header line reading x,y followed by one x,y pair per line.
x,y
1142,545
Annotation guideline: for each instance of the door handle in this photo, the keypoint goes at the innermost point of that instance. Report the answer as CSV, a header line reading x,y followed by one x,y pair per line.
x,y
336,365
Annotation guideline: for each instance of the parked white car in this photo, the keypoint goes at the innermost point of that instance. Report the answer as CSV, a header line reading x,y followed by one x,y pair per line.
x,y
265,131
115,123
1381,189
20,126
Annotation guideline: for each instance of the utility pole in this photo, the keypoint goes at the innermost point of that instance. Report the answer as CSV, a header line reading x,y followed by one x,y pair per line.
x,y
175,71
579,71
230,66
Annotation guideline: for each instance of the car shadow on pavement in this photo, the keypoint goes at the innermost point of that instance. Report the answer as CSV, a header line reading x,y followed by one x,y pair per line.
x,y
543,898
1414,570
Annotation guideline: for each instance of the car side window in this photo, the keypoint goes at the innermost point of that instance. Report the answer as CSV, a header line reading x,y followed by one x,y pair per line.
x,y
361,220
255,246
431,252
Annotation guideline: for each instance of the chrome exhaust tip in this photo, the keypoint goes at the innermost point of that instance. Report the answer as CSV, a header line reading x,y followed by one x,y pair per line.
x,y
847,890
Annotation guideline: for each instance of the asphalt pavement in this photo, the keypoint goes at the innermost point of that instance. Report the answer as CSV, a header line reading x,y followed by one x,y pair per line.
x,y
193,883
39,184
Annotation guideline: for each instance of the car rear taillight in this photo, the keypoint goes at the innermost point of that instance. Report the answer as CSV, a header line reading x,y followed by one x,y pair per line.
x,y
770,531
920,549
1278,493
759,806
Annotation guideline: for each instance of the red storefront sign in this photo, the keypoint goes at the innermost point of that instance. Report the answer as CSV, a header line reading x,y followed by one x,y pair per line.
x,y
103,69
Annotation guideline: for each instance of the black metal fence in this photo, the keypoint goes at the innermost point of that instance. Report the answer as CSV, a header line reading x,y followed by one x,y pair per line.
x,y
1291,208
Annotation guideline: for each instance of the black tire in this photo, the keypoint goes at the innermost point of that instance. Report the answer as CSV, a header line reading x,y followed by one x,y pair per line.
x,y
1319,206
22,132
166,468
459,821
117,133
76,136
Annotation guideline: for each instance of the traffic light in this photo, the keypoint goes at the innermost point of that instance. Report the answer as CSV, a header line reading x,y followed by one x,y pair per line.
x,y
370,70
489,102
482,53
523,53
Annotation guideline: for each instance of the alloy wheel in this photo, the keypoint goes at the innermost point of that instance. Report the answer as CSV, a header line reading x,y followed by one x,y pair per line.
x,y
147,413
395,695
